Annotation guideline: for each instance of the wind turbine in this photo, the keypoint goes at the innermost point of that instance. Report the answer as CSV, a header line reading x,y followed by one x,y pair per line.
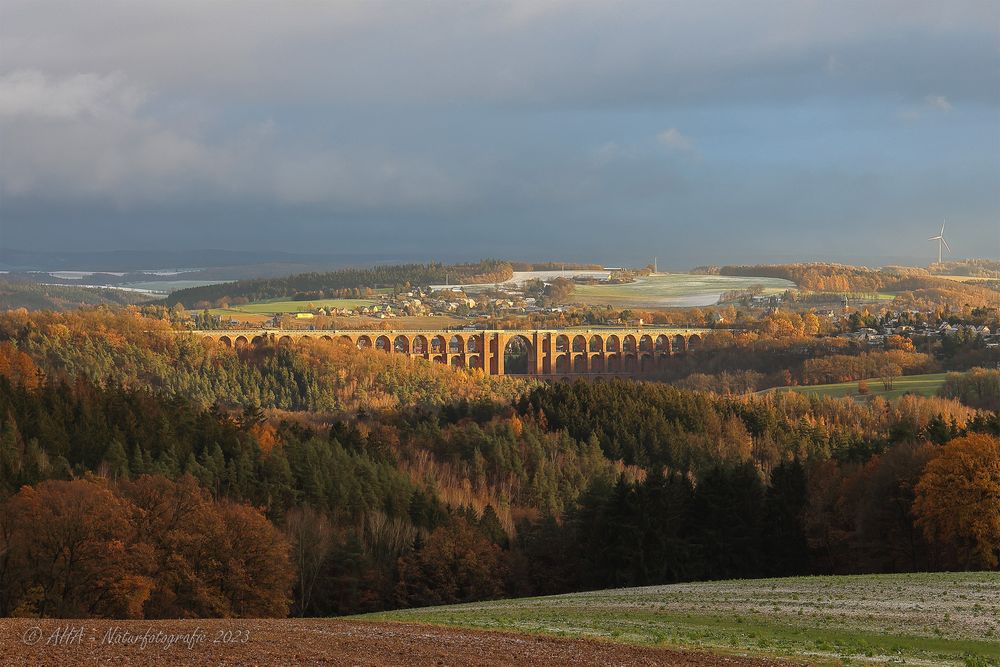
x,y
940,239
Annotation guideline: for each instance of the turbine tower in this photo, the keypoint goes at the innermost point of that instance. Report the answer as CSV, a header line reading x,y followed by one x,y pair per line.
x,y
941,242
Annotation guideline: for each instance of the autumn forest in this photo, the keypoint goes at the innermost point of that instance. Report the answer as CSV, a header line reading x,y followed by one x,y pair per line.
x,y
150,475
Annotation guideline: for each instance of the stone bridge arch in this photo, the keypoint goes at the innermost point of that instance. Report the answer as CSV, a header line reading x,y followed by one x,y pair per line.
x,y
562,363
614,363
518,356
597,362
645,363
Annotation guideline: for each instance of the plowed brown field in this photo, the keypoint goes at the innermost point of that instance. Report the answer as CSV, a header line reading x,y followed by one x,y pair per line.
x,y
313,642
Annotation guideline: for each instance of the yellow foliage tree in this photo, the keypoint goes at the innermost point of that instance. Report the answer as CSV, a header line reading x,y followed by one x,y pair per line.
x,y
810,324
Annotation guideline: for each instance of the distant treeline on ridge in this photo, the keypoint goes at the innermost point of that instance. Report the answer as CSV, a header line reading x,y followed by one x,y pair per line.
x,y
830,277
319,285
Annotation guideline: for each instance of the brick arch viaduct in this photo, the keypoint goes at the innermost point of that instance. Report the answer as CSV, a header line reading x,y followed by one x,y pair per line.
x,y
549,352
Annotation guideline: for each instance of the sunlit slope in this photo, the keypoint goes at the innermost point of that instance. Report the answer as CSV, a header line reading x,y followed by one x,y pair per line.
x,y
936,618
927,384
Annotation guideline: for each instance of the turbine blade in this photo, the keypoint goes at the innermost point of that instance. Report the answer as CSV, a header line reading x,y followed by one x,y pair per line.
x,y
934,238
943,222
946,244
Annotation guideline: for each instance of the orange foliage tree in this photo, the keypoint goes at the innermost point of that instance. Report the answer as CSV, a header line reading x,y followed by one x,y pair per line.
x,y
152,548
958,499
18,366
69,552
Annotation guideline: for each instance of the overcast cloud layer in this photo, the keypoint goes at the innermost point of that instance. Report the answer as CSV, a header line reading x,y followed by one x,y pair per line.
x,y
608,131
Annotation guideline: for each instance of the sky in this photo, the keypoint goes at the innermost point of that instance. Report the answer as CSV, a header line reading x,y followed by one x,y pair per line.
x,y
710,131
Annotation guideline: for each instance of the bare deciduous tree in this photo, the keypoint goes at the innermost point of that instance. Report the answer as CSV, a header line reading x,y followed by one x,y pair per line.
x,y
311,537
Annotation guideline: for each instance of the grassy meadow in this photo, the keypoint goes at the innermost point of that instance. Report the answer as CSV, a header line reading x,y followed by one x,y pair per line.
x,y
923,385
927,618
271,306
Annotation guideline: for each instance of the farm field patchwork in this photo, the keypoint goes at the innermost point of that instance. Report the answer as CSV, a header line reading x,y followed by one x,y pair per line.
x,y
673,289
926,618
927,384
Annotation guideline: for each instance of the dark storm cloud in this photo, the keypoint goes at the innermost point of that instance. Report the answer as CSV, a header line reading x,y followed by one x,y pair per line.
x,y
529,128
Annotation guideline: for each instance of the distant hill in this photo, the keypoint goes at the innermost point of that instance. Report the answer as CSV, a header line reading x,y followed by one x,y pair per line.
x,y
329,284
35,296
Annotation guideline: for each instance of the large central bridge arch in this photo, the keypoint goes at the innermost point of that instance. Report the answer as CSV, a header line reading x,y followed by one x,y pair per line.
x,y
517,353
553,353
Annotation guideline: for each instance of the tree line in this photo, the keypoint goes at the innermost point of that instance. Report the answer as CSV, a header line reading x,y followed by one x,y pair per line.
x,y
980,388
29,294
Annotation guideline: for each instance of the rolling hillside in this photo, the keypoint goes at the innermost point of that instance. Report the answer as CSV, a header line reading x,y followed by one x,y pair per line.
x,y
936,618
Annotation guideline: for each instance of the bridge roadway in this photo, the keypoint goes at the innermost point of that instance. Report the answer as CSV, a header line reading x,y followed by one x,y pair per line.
x,y
550,352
